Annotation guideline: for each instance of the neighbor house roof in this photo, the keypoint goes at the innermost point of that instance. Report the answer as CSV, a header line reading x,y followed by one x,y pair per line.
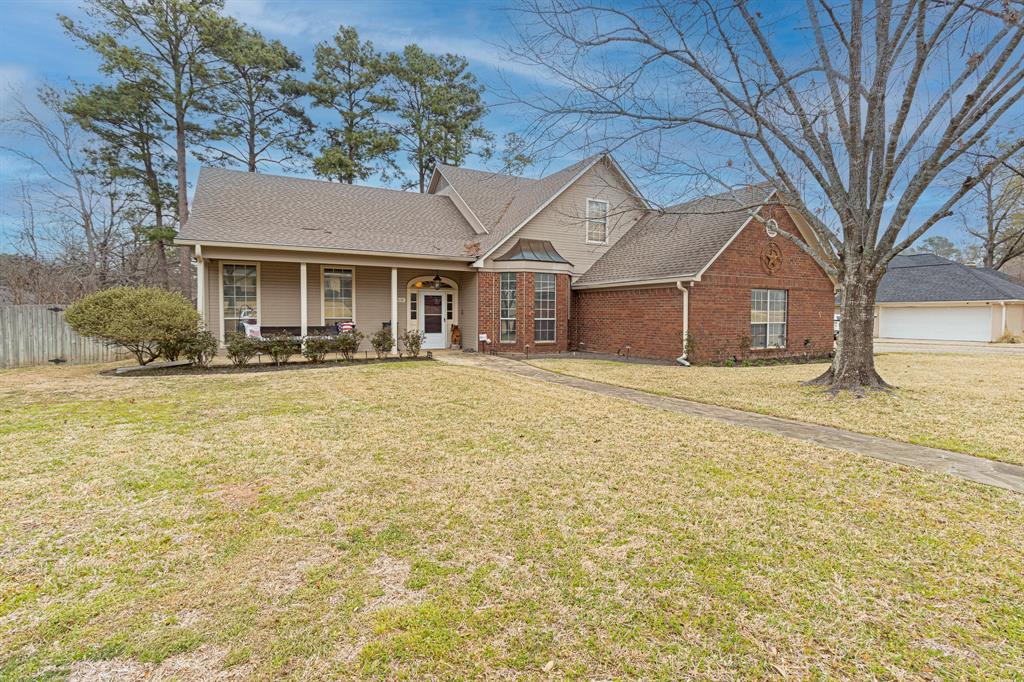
x,y
538,250
258,209
679,241
927,278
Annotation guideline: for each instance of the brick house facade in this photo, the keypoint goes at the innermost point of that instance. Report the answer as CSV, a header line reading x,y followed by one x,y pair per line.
x,y
650,320
307,255
490,312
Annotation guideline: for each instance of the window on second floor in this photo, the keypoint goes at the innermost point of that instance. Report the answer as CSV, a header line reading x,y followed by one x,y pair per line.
x,y
597,221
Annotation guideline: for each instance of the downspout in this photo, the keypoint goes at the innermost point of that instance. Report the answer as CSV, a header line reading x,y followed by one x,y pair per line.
x,y
1003,329
686,320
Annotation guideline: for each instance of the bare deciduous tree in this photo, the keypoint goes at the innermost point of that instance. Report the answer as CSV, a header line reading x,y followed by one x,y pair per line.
x,y
854,120
993,212
79,224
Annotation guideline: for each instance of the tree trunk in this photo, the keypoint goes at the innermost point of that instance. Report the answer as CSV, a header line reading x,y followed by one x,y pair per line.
x,y
161,265
853,367
184,255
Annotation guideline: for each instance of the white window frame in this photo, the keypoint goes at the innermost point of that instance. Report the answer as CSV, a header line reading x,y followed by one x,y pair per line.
x,y
220,294
323,291
554,309
603,242
768,323
515,307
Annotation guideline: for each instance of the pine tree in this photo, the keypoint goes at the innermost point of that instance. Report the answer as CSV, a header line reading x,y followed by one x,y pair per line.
x,y
348,80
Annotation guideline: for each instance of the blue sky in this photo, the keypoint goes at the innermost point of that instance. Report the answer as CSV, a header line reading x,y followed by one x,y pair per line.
x,y
34,50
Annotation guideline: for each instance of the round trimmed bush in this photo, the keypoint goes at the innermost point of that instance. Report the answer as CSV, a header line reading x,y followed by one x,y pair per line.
x,y
140,319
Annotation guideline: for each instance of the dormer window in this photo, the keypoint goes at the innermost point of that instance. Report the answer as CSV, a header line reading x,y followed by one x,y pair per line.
x,y
597,221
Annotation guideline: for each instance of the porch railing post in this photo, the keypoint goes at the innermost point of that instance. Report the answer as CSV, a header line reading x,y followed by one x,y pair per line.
x,y
394,310
303,306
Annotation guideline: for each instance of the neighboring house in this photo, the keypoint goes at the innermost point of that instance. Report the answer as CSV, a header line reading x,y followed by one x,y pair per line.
x,y
576,259
924,296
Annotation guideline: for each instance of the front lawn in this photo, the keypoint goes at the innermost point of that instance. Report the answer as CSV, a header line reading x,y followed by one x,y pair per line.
x,y
967,403
414,520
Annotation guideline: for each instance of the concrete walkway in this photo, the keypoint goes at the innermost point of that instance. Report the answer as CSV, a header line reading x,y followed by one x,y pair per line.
x,y
977,469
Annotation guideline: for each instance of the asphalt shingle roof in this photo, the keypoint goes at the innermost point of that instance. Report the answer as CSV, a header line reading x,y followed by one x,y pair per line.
x,y
255,208
503,202
925,277
679,240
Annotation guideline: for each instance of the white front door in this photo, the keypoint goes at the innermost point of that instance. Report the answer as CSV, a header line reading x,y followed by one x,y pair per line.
x,y
432,321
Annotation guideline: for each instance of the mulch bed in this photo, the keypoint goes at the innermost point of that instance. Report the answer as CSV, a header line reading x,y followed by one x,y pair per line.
x,y
266,365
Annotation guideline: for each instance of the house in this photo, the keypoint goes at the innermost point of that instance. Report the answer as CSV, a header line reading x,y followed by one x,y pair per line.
x,y
923,296
492,262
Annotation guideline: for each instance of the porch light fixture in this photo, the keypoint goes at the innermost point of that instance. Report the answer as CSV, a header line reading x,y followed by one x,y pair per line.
x,y
437,281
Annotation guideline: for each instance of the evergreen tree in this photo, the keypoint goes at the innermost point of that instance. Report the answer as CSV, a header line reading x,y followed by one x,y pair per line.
x,y
259,118
132,133
348,80
166,46
440,108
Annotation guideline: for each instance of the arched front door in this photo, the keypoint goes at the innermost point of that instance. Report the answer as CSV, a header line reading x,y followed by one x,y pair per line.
x,y
433,310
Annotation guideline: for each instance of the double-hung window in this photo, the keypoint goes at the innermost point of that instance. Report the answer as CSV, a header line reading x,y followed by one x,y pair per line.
x,y
597,221
544,307
338,297
241,295
508,307
768,318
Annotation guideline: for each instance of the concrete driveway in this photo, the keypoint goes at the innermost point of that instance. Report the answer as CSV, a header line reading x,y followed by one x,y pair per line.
x,y
970,347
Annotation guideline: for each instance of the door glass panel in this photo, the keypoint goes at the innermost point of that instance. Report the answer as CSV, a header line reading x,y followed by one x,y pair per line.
x,y
432,314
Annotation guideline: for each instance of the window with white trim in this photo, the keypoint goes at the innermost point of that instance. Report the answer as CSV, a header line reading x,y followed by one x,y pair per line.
x,y
597,221
508,307
241,295
412,305
768,318
544,307
338,295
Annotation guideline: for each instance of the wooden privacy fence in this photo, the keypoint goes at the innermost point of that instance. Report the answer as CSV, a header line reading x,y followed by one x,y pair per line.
x,y
37,334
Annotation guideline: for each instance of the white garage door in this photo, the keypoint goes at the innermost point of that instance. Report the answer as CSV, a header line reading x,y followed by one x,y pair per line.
x,y
955,323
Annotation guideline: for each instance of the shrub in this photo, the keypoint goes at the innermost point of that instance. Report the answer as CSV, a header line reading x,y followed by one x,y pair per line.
x,y
282,347
1007,337
241,348
139,319
382,342
200,348
316,348
172,348
348,343
412,341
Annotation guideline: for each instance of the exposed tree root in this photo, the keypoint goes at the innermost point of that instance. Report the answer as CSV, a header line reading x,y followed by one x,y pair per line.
x,y
859,382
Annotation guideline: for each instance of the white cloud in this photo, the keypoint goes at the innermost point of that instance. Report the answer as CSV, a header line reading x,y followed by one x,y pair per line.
x,y
15,81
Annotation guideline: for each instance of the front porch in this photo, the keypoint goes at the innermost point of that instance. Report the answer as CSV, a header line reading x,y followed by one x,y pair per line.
x,y
310,293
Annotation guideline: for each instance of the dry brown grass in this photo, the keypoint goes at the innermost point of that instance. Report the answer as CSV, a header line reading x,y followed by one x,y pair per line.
x,y
967,403
417,521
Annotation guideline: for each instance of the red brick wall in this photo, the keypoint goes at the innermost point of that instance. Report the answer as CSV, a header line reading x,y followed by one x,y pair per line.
x,y
490,312
650,320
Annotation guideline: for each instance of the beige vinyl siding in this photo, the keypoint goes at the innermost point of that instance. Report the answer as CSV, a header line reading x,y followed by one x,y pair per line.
x,y
214,296
313,294
563,221
469,309
279,294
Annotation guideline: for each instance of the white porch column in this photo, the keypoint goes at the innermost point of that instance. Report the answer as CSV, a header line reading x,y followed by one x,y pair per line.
x,y
201,285
303,299
394,309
